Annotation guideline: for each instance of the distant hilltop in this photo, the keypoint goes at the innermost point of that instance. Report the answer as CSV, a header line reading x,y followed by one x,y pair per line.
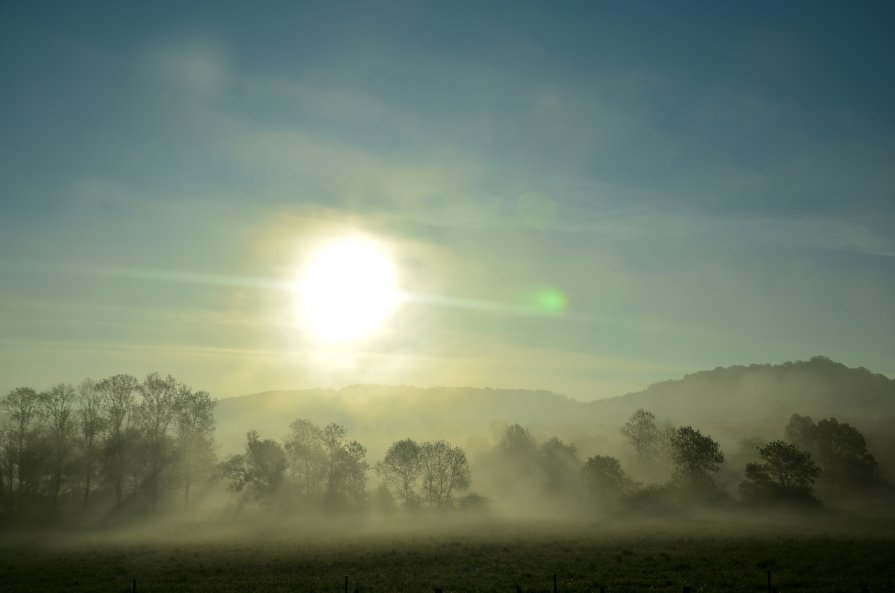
x,y
818,386
732,400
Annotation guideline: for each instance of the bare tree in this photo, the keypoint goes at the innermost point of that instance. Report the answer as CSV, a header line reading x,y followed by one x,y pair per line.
x,y
346,467
22,407
58,404
156,412
119,398
445,472
90,424
306,457
195,429
401,468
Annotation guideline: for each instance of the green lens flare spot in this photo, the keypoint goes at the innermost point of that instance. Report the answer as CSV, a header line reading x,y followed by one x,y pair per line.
x,y
552,302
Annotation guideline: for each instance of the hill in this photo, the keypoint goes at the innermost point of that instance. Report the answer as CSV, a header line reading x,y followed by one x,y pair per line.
x,y
379,414
731,403
818,387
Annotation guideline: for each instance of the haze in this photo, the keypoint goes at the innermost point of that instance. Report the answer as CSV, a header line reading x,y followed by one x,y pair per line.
x,y
410,296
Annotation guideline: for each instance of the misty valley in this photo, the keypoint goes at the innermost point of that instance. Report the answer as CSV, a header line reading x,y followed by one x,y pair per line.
x,y
782,474
445,297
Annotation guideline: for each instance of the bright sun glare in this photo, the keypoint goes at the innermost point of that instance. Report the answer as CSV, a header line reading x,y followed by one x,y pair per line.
x,y
348,291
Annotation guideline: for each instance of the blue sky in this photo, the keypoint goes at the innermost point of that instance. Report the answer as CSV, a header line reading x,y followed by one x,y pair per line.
x,y
707,185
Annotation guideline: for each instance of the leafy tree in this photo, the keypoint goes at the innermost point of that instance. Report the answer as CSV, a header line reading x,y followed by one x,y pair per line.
x,y
445,472
786,474
306,458
257,473
641,432
697,458
400,470
801,430
839,448
560,466
604,478
518,443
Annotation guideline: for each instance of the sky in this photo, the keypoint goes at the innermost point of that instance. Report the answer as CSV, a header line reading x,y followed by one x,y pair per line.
x,y
686,186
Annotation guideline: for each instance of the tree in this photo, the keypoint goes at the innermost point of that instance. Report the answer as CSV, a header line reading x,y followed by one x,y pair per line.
x,y
445,472
787,475
518,444
258,472
560,466
195,430
641,432
90,423
22,454
346,467
801,430
156,412
119,396
353,469
306,458
665,434
604,478
839,448
697,458
400,470
58,404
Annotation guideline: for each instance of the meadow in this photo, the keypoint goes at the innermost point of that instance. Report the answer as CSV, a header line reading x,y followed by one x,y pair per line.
x,y
485,556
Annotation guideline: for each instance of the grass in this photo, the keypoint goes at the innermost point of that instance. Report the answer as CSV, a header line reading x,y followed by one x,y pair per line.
x,y
493,556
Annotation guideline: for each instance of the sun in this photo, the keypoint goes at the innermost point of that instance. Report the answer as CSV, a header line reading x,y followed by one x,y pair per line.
x,y
348,291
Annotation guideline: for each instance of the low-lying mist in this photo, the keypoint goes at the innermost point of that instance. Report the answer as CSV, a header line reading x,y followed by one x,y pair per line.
x,y
122,457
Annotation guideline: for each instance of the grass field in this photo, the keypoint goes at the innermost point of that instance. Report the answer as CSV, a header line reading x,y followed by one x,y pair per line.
x,y
492,556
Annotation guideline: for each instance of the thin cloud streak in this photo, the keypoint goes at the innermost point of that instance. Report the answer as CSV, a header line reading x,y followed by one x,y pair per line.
x,y
462,303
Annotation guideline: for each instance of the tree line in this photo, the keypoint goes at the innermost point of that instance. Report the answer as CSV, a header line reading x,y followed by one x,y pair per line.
x,y
321,468
782,470
550,474
119,441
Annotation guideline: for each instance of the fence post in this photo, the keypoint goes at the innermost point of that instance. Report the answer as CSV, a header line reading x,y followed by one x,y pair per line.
x,y
346,583
134,585
769,582
554,583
